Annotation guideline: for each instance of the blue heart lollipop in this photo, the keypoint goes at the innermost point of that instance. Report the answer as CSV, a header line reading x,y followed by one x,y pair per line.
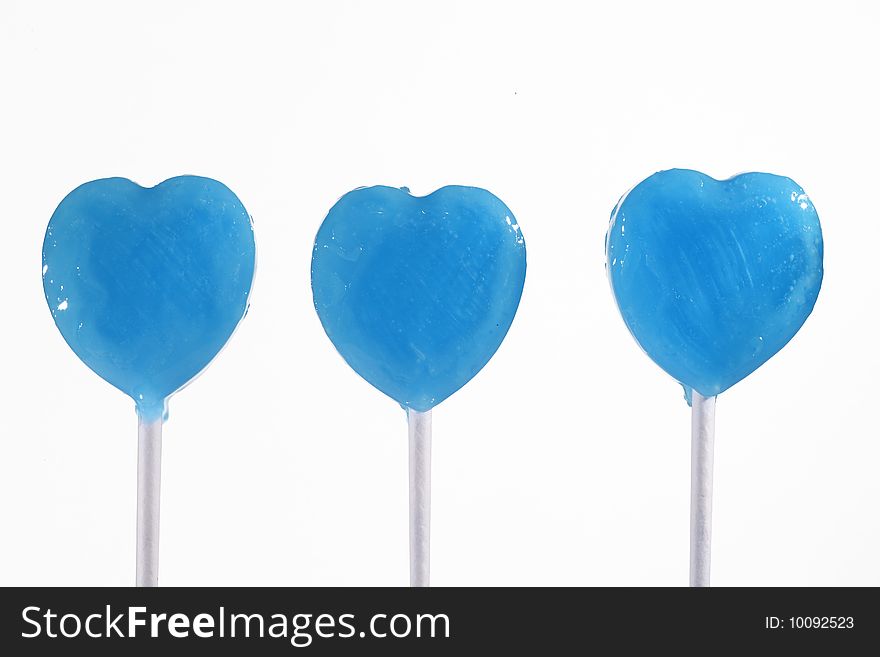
x,y
418,293
714,277
147,285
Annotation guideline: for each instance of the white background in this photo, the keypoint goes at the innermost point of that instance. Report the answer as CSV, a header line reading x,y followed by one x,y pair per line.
x,y
566,460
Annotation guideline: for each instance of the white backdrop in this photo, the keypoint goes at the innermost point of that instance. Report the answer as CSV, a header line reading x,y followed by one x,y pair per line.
x,y
566,460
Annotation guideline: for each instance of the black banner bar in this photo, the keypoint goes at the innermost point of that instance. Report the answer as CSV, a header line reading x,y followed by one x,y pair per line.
x,y
438,621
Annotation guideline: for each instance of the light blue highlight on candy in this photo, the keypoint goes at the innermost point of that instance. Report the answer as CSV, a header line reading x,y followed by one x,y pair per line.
x,y
714,277
147,285
418,293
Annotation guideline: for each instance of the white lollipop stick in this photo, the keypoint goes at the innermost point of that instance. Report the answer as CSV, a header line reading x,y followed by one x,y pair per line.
x,y
702,459
148,484
419,497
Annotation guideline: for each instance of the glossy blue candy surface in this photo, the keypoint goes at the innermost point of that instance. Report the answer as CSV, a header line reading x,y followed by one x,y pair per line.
x,y
714,277
417,293
147,284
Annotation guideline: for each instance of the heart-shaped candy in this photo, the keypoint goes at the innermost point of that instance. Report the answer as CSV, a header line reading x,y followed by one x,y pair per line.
x,y
147,285
418,293
714,277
